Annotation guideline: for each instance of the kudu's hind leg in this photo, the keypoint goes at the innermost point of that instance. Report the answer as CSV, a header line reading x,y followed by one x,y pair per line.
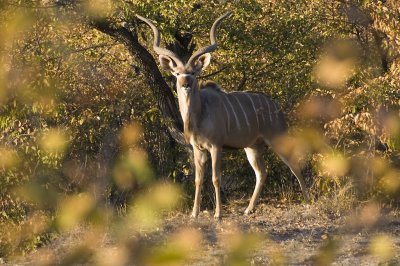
x,y
254,156
200,158
296,170
294,167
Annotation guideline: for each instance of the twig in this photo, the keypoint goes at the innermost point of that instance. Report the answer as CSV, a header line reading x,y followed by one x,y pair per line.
x,y
242,82
213,74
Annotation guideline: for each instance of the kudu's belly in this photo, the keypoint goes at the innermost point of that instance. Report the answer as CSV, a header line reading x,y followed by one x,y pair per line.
x,y
242,140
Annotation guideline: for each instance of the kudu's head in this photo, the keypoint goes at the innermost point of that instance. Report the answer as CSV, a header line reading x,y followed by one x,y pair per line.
x,y
185,74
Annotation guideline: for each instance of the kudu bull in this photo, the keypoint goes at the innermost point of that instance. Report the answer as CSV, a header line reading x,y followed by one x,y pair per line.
x,y
214,119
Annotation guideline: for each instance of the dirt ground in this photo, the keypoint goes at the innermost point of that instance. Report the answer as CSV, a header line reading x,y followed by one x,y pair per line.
x,y
295,234
277,233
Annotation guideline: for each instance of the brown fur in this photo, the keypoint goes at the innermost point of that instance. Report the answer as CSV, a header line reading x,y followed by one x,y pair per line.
x,y
209,84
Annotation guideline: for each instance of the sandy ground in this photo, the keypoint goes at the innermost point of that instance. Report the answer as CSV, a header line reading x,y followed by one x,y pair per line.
x,y
276,233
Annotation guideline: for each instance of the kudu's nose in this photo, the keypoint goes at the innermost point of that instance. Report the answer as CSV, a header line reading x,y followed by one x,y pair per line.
x,y
185,81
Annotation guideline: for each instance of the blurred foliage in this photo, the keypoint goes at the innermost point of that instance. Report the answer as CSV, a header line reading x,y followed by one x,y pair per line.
x,y
82,140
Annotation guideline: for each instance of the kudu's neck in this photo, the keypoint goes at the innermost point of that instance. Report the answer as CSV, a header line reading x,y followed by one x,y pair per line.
x,y
190,109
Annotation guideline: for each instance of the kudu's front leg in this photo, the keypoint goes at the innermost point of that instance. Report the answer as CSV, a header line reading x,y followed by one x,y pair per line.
x,y
200,158
216,176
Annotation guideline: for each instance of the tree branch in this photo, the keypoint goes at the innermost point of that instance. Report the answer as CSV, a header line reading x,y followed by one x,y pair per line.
x,y
57,4
83,50
383,53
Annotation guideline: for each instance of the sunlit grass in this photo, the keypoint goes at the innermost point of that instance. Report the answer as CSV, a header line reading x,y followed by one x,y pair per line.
x,y
73,209
9,158
54,140
382,246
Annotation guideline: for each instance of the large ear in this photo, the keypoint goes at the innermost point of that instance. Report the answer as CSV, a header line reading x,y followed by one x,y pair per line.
x,y
167,63
203,62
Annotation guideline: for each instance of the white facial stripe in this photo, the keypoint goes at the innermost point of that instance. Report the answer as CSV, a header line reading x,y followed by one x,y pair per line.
x,y
244,112
254,108
228,116
233,110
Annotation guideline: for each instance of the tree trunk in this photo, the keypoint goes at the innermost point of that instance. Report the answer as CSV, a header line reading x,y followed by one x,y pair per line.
x,y
152,75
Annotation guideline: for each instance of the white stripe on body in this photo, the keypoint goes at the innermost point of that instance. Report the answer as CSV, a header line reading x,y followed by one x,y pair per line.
x,y
233,110
269,109
228,116
244,112
254,108
276,111
262,113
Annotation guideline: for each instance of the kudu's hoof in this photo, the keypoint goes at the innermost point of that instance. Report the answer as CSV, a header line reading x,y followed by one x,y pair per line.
x,y
307,199
248,211
217,216
194,215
